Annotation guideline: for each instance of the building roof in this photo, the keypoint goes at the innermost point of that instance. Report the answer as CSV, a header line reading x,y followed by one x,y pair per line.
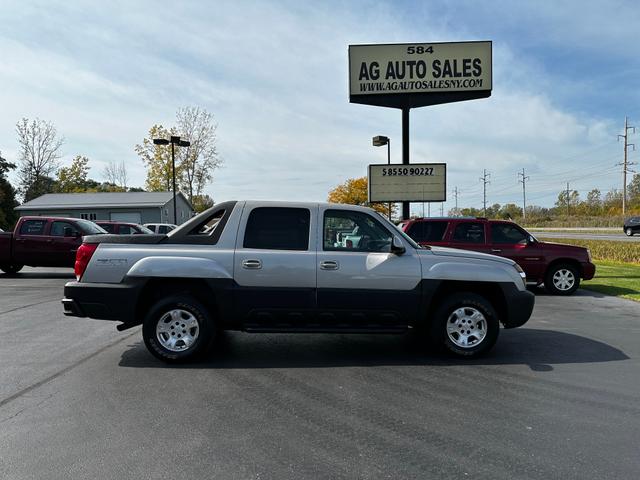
x,y
53,201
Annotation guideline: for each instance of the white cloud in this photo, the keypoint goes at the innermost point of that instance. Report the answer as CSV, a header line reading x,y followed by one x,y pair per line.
x,y
275,76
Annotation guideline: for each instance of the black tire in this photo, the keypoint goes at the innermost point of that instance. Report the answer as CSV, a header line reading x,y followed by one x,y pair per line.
x,y
629,232
11,269
555,285
192,310
445,315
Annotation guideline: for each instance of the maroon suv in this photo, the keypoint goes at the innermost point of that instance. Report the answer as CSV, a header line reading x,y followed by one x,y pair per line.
x,y
560,267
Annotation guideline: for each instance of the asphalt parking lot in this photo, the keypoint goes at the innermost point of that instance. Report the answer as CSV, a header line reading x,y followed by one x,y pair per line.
x,y
558,398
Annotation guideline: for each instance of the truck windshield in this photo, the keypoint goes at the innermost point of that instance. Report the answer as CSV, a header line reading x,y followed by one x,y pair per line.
x,y
90,228
397,229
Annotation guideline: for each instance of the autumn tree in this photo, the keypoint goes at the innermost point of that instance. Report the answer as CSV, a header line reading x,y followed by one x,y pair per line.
x,y
39,152
8,201
157,159
201,202
355,192
74,178
200,159
195,164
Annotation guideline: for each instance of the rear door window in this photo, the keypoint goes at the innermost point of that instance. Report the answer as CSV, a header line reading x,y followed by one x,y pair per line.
x,y
469,232
125,230
427,231
275,228
32,227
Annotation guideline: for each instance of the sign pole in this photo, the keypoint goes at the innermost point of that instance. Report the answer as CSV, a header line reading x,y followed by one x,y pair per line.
x,y
405,155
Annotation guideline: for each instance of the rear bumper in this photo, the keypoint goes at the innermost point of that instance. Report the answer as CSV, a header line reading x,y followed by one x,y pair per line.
x,y
588,270
102,301
519,306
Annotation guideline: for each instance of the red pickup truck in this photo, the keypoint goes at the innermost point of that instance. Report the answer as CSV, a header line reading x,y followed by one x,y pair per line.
x,y
43,242
560,267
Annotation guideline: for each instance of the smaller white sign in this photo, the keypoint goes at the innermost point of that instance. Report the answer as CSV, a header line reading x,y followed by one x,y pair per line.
x,y
416,182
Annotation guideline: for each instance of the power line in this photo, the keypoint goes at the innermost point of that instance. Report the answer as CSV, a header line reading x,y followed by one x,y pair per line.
x,y
625,164
484,180
524,194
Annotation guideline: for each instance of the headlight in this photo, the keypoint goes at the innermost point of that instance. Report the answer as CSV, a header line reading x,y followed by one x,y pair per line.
x,y
522,274
589,255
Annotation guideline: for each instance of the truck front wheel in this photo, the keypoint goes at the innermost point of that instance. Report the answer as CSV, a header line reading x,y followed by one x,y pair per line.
x,y
466,324
178,329
11,269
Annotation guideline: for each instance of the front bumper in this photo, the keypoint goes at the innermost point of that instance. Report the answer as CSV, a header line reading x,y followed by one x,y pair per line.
x,y
519,306
102,301
588,270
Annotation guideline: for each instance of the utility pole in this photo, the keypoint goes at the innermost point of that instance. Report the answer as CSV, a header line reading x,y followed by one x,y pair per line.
x,y
484,180
524,194
456,192
567,199
625,164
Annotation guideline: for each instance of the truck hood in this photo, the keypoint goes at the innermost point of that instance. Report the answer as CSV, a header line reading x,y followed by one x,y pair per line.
x,y
456,252
556,247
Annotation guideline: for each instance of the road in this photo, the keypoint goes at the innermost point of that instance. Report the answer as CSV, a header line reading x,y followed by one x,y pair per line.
x,y
617,237
558,398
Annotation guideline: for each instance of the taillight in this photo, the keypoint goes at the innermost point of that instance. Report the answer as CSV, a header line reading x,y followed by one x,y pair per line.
x,y
83,255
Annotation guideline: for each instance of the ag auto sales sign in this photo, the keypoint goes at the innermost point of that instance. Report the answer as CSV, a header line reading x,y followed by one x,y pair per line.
x,y
430,73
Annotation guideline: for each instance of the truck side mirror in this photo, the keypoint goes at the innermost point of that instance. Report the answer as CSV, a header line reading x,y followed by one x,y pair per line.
x,y
397,247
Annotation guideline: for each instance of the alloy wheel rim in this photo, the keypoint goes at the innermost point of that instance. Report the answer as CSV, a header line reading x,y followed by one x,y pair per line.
x,y
466,327
177,330
564,279
629,232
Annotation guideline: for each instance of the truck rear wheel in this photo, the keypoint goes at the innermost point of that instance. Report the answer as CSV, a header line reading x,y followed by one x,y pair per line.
x,y
178,329
465,324
11,269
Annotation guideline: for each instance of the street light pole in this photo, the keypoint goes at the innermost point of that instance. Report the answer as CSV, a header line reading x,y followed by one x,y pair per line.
x,y
175,140
379,141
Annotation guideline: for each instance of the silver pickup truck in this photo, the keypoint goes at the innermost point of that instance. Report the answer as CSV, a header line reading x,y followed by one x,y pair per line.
x,y
282,267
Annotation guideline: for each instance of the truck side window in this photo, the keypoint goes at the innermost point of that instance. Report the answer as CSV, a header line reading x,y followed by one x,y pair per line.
x,y
32,227
346,230
427,231
275,228
469,232
57,228
507,234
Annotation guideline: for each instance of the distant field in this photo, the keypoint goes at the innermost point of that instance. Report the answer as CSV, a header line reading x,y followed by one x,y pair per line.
x,y
614,278
607,250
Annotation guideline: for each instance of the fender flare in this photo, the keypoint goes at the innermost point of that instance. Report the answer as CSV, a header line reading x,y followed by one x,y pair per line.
x,y
178,267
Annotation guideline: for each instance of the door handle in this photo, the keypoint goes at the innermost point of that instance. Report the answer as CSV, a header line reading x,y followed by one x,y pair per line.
x,y
496,250
329,265
252,264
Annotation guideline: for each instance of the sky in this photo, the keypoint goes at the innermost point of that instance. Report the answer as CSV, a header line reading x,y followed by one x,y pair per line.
x,y
275,77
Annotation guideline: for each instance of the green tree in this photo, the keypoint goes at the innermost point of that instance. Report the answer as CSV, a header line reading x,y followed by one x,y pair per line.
x,y
157,159
567,201
510,211
633,190
74,177
594,202
8,201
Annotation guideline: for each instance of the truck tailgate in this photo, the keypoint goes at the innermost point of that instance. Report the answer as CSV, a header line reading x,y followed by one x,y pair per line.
x,y
5,247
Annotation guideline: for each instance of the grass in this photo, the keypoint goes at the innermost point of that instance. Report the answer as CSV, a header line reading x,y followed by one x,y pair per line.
x,y
607,250
617,279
